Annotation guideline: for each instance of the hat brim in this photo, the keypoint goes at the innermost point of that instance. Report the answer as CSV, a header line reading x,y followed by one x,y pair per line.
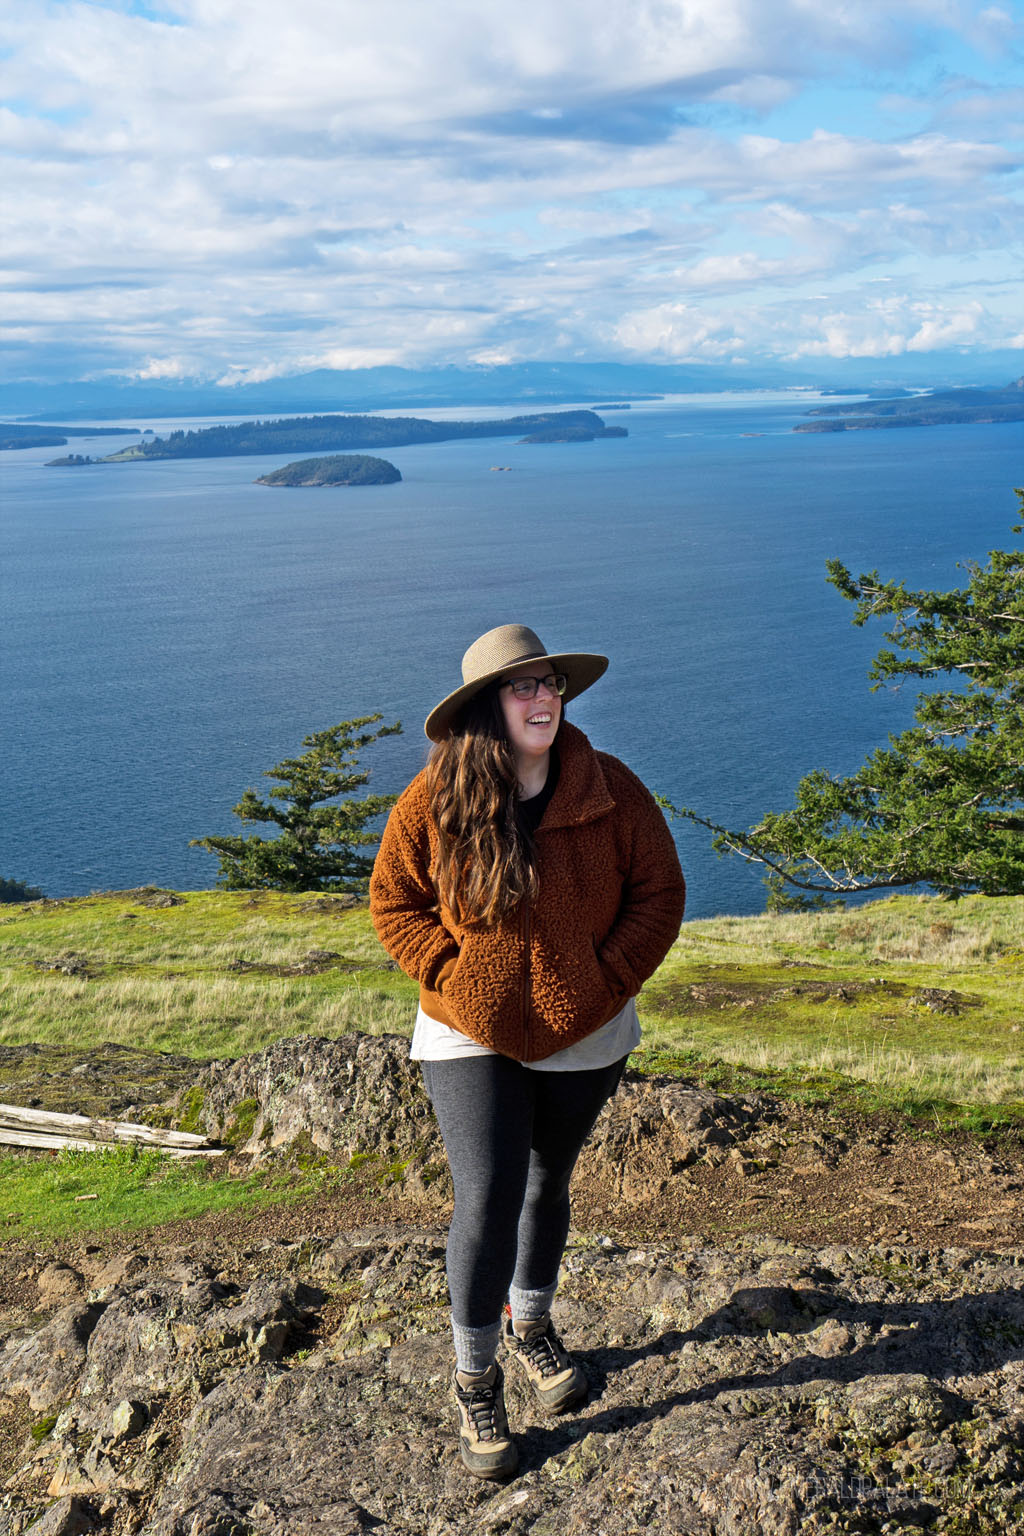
x,y
581,668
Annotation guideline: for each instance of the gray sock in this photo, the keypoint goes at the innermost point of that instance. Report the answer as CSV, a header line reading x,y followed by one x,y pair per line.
x,y
528,1306
475,1348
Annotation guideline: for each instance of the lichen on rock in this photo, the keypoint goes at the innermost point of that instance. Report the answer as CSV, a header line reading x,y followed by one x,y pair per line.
x,y
749,1386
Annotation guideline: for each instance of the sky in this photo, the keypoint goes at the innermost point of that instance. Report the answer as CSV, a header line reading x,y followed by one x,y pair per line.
x,y
239,190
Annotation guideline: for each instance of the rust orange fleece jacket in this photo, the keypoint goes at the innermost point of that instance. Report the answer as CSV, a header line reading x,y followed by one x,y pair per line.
x,y
610,902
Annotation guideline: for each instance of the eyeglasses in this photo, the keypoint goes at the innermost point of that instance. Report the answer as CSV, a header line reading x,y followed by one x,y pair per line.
x,y
526,687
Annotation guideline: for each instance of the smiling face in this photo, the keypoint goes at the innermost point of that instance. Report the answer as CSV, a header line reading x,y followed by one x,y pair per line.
x,y
531,724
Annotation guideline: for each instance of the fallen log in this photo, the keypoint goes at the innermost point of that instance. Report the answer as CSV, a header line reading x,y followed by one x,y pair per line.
x,y
45,1128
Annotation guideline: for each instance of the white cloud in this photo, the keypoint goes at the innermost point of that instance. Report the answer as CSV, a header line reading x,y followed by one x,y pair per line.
x,y
743,269
948,330
163,368
492,357
340,359
870,322
680,333
892,327
758,93
248,190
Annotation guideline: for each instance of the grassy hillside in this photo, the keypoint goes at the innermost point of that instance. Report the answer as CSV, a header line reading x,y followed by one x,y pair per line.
x,y
910,1003
909,1007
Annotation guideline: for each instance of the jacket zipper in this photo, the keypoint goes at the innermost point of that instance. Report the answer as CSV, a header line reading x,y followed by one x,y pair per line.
x,y
526,981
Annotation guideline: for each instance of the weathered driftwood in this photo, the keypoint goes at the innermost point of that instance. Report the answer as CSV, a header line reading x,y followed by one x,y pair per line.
x,y
44,1128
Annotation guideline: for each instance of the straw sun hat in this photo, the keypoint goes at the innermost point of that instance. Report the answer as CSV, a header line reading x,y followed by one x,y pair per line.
x,y
502,650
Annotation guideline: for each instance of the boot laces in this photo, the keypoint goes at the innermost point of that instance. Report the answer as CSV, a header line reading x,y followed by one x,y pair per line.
x,y
481,1404
543,1352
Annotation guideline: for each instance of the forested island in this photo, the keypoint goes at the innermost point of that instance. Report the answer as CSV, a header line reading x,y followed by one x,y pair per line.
x,y
948,407
71,461
319,433
17,434
573,434
334,469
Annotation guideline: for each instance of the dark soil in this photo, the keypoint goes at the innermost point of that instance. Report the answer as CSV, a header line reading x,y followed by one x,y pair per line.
x,y
816,1182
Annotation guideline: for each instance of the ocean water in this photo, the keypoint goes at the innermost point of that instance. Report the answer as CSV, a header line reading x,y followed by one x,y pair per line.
x,y
170,630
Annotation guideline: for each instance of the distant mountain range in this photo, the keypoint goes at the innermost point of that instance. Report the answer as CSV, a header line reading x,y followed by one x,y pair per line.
x,y
538,384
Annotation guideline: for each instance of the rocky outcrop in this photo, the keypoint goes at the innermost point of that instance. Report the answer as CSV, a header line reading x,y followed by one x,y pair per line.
x,y
755,1388
360,1100
293,1387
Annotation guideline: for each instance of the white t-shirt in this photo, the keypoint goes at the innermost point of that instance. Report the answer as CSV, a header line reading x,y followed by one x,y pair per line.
x,y
434,1041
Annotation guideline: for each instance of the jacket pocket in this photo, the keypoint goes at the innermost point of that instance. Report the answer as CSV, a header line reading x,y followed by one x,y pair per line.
x,y
576,989
613,982
615,988
485,983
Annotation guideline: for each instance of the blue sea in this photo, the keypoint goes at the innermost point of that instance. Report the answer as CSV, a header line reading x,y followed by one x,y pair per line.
x,y
170,630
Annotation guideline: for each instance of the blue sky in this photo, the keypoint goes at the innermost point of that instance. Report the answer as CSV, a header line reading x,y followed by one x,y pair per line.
x,y
236,190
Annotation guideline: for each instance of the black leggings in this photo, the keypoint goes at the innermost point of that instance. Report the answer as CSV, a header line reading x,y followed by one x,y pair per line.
x,y
512,1136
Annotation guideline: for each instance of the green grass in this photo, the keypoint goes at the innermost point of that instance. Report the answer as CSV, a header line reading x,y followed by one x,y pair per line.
x,y
910,1004
219,975
829,1008
53,1196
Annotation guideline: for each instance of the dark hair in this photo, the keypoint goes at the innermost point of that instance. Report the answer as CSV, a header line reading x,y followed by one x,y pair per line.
x,y
486,865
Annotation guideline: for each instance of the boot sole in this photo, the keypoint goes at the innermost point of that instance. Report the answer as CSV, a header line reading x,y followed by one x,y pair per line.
x,y
491,1468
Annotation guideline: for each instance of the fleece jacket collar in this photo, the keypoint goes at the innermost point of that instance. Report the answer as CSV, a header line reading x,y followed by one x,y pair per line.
x,y
582,794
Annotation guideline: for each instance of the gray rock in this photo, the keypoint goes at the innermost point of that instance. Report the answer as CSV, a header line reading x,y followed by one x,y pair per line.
x,y
754,1388
123,1266
356,1095
58,1282
127,1419
717,1403
47,1362
884,1409
68,1517
233,1443
156,1338
360,1099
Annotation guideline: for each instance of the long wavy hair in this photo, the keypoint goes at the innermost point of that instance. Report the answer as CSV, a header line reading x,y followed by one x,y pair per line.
x,y
486,865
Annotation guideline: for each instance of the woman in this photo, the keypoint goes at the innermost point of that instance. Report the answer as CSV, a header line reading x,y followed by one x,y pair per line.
x,y
531,886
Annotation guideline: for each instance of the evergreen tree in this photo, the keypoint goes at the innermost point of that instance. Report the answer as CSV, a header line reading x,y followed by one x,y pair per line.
x,y
17,890
317,845
943,804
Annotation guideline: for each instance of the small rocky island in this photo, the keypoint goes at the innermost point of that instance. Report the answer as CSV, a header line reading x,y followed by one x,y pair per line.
x,y
334,469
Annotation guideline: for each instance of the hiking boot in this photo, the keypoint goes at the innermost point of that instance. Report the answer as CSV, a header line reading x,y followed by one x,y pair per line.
x,y
556,1379
486,1447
